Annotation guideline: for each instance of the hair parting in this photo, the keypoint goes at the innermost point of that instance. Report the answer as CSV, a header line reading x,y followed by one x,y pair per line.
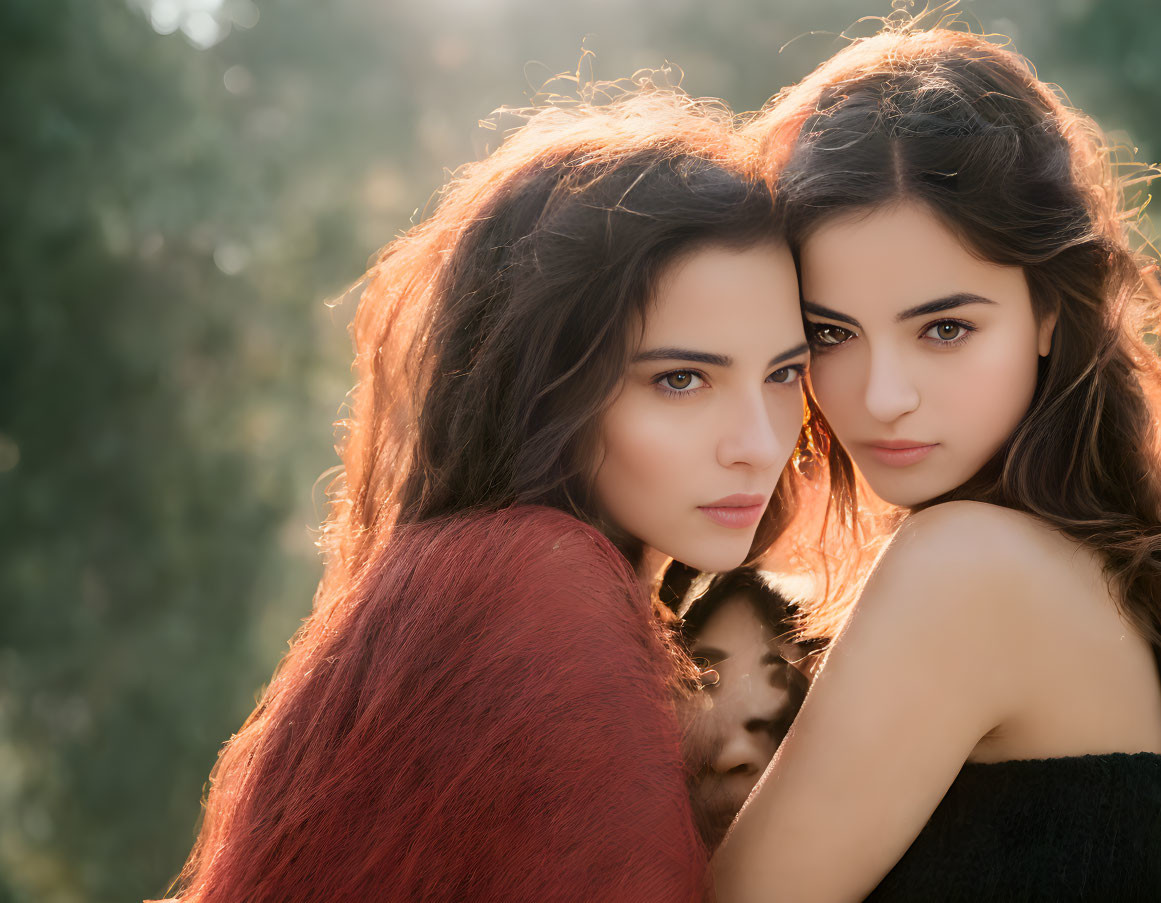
x,y
952,121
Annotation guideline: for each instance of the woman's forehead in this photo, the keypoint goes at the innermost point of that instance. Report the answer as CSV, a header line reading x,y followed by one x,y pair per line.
x,y
893,259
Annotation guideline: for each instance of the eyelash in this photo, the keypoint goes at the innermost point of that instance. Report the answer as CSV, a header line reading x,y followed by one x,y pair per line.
x,y
669,391
815,331
967,328
820,347
798,369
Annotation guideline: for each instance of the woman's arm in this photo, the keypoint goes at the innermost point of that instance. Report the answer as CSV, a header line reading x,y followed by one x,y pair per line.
x,y
920,673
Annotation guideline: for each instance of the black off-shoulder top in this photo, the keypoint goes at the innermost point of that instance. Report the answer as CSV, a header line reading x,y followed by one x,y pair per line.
x,y
1080,828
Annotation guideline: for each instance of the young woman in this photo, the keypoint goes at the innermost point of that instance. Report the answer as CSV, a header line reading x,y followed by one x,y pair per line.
x,y
587,361
987,725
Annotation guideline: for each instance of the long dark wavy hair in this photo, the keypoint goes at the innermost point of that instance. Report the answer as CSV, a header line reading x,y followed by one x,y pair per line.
x,y
952,121
490,339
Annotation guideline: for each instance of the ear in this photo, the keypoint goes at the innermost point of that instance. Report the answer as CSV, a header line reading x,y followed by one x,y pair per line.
x,y
1047,328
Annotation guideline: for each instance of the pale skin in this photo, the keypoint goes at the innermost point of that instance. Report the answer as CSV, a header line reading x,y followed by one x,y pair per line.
x,y
982,634
710,408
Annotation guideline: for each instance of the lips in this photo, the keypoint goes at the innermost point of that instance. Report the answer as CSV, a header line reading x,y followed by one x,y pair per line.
x,y
736,511
900,452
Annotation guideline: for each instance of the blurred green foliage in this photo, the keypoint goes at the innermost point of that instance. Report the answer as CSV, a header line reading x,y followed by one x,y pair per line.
x,y
177,209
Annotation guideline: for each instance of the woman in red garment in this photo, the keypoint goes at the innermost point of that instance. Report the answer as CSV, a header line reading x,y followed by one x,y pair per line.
x,y
586,363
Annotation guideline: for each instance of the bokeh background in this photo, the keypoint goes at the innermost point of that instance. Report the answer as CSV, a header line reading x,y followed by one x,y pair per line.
x,y
184,185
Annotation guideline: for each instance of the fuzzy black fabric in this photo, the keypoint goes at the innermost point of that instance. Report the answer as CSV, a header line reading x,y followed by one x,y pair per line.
x,y
1081,828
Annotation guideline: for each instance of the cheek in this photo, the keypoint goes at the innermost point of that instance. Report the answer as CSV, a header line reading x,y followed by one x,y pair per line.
x,y
837,381
645,457
787,413
987,394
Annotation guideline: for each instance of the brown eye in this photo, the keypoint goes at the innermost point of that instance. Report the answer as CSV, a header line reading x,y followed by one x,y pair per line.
x,y
947,331
680,381
786,375
825,334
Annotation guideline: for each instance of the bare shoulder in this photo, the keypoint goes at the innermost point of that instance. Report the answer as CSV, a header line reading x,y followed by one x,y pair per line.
x,y
967,578
980,529
942,593
961,578
978,547
957,550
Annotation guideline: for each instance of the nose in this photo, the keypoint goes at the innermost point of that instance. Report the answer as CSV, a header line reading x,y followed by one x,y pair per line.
x,y
890,392
751,730
746,749
754,435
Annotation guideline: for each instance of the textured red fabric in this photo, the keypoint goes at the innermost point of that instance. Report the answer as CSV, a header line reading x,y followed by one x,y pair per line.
x,y
486,716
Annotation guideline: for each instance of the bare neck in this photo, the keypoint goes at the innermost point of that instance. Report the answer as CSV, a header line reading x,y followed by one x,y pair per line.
x,y
651,569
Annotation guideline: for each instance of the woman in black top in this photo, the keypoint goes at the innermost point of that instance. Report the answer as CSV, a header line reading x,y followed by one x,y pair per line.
x,y
977,319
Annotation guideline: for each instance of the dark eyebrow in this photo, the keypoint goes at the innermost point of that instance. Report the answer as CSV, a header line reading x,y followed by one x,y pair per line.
x,y
787,354
819,311
683,354
948,302
706,357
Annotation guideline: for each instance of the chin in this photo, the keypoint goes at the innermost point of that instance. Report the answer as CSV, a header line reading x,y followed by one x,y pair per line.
x,y
894,495
908,493
907,488
710,560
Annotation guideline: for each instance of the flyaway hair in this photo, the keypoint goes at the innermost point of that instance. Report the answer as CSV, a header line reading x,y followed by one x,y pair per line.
x,y
490,339
964,127
481,706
